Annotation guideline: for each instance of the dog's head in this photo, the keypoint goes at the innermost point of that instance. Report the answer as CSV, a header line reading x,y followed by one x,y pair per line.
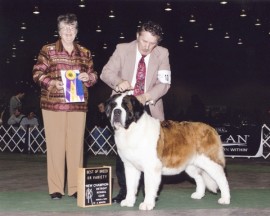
x,y
122,110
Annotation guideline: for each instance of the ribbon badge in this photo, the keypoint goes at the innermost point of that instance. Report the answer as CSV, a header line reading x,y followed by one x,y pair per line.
x,y
73,88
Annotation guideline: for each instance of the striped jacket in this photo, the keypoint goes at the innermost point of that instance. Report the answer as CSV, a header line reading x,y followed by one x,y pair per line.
x,y
51,60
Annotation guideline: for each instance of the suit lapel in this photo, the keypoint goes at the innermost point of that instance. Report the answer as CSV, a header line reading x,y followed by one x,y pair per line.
x,y
130,61
152,68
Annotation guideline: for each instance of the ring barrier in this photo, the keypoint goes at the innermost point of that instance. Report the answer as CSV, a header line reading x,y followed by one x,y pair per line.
x,y
32,140
265,142
249,141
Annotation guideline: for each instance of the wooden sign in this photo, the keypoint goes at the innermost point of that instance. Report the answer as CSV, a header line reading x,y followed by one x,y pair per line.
x,y
94,186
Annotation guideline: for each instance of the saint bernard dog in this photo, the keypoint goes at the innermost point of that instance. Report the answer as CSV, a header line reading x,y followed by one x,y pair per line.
x,y
165,148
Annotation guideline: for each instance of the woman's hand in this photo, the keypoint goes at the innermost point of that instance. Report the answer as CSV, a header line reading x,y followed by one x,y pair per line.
x,y
83,77
56,84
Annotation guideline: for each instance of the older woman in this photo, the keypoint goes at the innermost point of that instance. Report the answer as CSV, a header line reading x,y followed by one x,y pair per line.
x,y
63,69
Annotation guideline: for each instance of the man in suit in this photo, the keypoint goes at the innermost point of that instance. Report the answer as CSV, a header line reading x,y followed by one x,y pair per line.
x,y
121,74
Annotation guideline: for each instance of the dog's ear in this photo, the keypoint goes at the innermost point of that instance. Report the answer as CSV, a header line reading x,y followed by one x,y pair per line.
x,y
108,108
137,107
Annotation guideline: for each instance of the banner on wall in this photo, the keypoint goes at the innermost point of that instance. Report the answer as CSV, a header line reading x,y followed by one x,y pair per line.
x,y
242,141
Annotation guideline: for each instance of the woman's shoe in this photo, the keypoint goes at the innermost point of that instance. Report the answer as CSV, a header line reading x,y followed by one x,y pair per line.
x,y
56,196
74,195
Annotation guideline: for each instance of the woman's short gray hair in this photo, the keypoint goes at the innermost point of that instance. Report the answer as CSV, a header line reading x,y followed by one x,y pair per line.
x,y
68,19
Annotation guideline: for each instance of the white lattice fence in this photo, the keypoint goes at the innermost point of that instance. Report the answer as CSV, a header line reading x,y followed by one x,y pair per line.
x,y
32,140
97,141
12,138
100,141
265,141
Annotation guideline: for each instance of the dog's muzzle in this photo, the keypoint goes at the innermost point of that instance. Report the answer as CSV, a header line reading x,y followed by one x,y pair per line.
x,y
117,115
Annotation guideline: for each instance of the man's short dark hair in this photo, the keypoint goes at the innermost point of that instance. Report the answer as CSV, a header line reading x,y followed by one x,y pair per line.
x,y
154,28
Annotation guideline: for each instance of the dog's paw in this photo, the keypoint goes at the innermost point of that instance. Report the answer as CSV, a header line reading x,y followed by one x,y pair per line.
x,y
197,195
224,201
127,203
146,206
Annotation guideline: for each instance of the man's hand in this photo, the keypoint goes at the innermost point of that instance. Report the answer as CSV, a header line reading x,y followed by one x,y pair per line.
x,y
141,98
144,98
123,86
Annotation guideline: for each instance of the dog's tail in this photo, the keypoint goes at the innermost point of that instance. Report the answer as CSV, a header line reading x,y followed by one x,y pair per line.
x,y
210,184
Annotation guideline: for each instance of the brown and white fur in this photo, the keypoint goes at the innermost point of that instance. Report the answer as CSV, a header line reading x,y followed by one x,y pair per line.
x,y
165,148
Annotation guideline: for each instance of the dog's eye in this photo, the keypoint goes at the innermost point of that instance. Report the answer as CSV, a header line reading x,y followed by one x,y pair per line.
x,y
125,105
113,104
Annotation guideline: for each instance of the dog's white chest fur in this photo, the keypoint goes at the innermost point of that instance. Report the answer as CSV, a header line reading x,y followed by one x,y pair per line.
x,y
138,143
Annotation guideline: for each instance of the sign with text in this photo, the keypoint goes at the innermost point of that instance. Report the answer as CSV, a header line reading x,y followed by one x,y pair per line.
x,y
94,186
242,141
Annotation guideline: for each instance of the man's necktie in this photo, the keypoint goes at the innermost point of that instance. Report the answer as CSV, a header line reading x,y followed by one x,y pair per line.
x,y
140,77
